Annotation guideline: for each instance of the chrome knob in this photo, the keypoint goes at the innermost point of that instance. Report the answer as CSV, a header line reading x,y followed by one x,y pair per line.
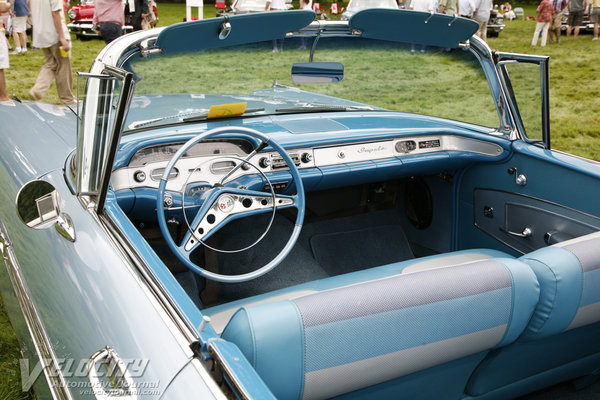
x,y
264,162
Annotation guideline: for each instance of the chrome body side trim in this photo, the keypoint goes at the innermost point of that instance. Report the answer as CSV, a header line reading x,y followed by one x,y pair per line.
x,y
56,381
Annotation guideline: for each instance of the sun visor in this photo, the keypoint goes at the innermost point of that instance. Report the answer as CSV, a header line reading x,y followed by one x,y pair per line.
x,y
231,31
417,27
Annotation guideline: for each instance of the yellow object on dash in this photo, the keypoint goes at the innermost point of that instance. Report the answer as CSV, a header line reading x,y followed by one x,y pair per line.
x,y
63,52
226,110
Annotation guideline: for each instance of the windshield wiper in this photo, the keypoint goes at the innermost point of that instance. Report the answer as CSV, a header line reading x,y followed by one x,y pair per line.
x,y
310,108
185,117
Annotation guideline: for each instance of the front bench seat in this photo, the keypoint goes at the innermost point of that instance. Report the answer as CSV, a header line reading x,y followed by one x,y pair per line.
x,y
221,314
562,340
418,335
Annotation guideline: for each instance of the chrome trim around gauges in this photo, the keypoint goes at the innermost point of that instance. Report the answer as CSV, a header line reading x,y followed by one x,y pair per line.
x,y
206,168
56,382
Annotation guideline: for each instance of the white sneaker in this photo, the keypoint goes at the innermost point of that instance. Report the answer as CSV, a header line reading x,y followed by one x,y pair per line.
x,y
17,51
595,38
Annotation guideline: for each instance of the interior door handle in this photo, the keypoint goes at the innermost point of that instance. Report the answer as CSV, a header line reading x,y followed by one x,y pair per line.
x,y
527,232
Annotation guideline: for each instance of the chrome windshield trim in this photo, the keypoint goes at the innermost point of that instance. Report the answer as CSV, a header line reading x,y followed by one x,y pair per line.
x,y
486,58
504,58
54,377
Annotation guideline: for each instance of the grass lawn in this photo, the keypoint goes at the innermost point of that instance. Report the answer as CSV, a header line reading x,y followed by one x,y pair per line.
x,y
574,109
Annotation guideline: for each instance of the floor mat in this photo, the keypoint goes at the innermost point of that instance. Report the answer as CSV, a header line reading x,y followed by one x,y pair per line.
x,y
343,252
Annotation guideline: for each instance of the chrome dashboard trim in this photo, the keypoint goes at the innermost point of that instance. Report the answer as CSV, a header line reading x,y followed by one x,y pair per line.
x,y
123,178
56,382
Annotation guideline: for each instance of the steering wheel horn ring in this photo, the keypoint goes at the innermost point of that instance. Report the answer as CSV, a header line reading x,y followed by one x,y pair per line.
x,y
224,204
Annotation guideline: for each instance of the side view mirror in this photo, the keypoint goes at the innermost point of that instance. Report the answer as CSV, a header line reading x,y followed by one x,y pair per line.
x,y
317,72
38,206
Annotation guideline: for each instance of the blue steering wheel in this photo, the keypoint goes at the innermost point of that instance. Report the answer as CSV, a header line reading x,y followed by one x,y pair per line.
x,y
221,205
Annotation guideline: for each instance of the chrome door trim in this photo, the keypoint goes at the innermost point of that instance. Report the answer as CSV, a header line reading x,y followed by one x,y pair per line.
x,y
54,377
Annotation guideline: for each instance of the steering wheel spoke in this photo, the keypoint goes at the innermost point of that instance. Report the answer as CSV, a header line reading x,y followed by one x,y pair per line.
x,y
222,204
229,206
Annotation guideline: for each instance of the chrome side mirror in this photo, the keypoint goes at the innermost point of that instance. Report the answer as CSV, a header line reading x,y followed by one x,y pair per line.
x,y
38,207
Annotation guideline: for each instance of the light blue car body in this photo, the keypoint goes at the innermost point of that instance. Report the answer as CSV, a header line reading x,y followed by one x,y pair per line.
x,y
107,288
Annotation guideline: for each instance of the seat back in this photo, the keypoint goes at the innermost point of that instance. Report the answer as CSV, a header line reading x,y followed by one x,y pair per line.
x,y
569,276
348,338
563,329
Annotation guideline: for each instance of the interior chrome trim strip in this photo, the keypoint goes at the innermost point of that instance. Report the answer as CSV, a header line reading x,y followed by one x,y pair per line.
x,y
43,348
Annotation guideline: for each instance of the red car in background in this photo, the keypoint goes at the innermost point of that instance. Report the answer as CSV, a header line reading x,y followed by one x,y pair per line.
x,y
81,20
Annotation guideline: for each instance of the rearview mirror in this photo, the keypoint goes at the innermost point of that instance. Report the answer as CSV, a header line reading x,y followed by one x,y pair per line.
x,y
317,72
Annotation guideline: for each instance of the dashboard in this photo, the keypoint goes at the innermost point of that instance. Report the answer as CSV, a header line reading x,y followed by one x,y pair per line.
x,y
209,162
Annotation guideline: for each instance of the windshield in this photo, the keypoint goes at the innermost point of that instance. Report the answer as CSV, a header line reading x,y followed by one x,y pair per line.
x,y
378,75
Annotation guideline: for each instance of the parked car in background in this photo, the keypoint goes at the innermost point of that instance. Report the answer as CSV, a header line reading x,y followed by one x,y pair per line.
x,y
81,20
495,24
345,219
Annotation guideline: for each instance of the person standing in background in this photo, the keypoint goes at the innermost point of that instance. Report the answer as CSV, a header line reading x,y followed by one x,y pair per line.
x,y
545,11
136,11
594,13
449,7
276,5
305,5
425,6
482,15
559,9
4,62
21,12
109,19
51,35
576,8
466,8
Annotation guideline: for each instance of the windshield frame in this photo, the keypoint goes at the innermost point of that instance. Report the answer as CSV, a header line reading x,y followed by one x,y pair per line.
x,y
144,44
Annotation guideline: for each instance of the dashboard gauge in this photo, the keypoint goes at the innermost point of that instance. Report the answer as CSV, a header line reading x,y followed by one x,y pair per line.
x,y
406,146
154,154
156,174
164,152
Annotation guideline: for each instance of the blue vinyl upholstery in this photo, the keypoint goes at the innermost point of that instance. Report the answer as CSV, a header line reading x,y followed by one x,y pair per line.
x,y
348,338
221,314
563,329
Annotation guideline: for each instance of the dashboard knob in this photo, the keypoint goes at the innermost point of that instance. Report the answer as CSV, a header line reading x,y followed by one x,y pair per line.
x,y
306,157
139,176
264,162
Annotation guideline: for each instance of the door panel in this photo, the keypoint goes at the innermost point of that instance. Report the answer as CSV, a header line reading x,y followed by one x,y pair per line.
x,y
559,199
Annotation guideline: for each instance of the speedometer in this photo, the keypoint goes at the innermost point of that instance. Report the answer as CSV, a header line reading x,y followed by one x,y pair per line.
x,y
164,152
153,154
